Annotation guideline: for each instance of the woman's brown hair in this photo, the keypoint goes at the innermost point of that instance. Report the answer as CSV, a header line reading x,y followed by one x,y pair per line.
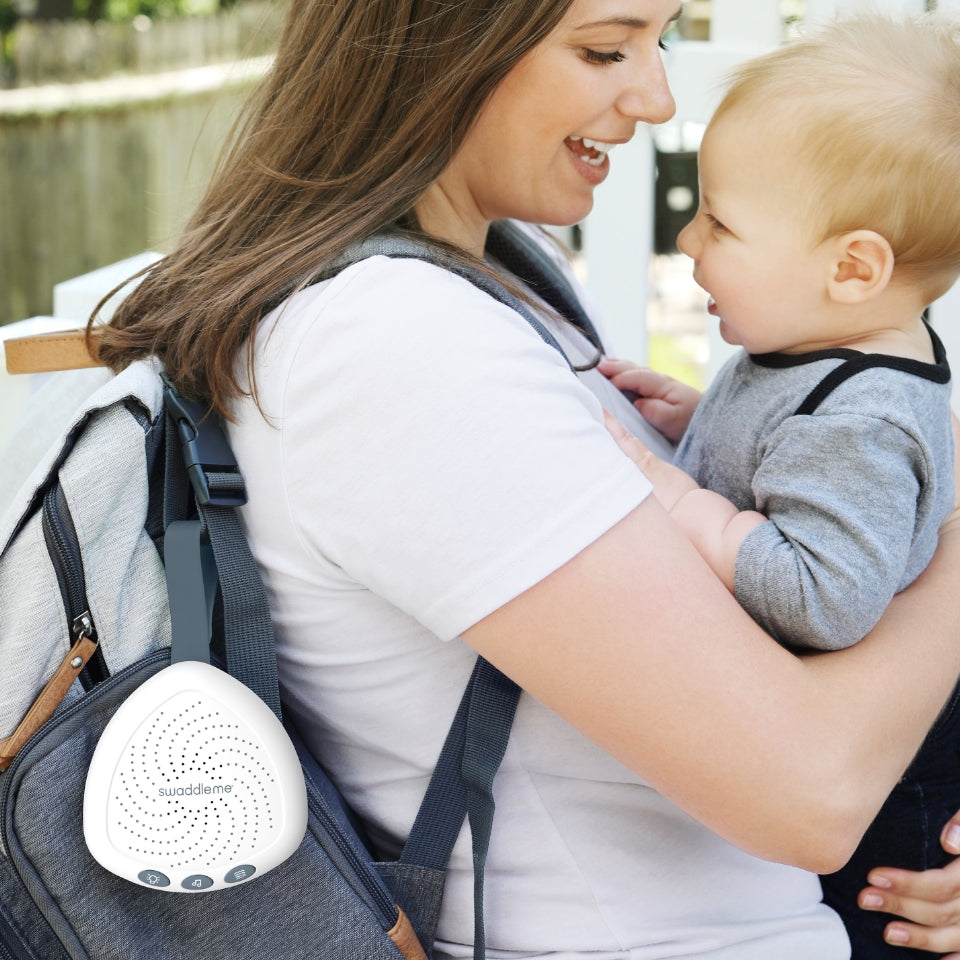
x,y
365,105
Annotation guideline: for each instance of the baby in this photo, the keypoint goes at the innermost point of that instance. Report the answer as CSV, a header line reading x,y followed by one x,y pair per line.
x,y
822,453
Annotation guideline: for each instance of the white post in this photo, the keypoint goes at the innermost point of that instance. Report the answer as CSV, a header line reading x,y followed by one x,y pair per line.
x,y
738,30
618,234
618,244
749,24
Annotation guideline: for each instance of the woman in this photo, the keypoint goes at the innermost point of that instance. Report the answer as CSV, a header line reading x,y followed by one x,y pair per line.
x,y
428,481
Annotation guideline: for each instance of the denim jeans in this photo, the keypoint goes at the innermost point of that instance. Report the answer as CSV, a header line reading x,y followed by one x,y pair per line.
x,y
905,833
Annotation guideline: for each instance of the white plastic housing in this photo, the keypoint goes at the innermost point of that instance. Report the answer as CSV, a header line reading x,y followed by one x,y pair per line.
x,y
194,785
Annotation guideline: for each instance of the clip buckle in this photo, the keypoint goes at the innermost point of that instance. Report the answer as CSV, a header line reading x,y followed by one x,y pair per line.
x,y
205,451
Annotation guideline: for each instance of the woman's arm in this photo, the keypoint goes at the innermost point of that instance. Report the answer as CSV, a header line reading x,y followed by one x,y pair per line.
x,y
637,644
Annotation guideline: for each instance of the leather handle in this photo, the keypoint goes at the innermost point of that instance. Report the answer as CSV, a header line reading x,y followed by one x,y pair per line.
x,y
50,697
46,352
403,935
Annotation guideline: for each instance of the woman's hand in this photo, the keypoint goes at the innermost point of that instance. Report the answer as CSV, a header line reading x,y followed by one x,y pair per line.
x,y
664,403
929,900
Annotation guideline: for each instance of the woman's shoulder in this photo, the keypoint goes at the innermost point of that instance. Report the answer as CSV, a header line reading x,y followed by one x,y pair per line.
x,y
409,284
387,282
397,307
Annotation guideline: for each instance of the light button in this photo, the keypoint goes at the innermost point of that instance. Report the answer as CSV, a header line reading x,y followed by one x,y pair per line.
x,y
153,878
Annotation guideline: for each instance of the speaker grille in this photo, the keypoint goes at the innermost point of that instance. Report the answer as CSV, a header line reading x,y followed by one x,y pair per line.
x,y
193,787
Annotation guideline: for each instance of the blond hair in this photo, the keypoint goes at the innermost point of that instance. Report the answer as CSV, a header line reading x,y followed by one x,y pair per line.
x,y
869,109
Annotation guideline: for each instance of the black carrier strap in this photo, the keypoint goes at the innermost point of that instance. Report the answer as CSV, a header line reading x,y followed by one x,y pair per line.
x,y
939,371
526,259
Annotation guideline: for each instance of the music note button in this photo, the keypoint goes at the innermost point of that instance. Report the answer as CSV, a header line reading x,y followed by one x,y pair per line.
x,y
197,881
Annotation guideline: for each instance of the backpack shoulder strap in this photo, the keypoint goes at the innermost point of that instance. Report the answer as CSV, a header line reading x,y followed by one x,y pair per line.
x,y
511,247
525,258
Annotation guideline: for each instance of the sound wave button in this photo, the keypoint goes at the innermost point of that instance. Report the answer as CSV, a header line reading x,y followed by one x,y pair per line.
x,y
197,881
238,874
153,878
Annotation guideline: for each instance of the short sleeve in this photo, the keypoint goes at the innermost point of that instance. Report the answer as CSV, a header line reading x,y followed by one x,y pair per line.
x,y
840,528
433,447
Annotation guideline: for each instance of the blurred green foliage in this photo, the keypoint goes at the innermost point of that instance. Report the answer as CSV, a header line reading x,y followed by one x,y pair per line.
x,y
8,15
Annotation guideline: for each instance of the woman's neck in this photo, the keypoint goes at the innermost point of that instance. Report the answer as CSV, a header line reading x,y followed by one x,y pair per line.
x,y
449,218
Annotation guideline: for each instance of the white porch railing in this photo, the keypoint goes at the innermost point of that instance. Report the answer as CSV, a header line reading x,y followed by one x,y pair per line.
x,y
73,301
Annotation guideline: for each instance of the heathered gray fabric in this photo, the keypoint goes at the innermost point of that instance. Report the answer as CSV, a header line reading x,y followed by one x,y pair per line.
x,y
51,405
108,508
854,492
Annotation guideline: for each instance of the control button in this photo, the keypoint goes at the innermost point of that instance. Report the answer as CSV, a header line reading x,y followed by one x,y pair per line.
x,y
237,874
197,881
153,878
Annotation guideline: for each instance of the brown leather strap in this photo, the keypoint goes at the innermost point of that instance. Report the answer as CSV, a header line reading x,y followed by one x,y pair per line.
x,y
44,352
401,933
51,696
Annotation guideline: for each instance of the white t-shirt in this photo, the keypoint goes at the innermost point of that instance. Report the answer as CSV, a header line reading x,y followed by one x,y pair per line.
x,y
428,458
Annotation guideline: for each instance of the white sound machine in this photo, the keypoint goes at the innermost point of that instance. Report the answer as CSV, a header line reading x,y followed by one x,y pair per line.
x,y
194,785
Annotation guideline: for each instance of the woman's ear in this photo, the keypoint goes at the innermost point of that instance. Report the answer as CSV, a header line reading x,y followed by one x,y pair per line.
x,y
861,265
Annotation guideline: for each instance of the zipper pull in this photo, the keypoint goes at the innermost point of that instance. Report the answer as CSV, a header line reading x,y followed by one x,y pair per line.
x,y
50,696
82,626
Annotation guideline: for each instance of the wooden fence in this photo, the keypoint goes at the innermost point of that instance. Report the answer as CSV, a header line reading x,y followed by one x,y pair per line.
x,y
94,172
108,132
68,51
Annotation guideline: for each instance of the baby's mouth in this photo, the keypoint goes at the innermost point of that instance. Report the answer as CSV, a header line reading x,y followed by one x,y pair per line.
x,y
593,152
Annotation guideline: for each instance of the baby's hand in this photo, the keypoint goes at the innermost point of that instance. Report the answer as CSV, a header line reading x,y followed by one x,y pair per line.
x,y
669,483
711,522
665,403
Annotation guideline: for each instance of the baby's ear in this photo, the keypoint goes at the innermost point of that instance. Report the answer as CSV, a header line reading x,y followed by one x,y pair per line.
x,y
861,265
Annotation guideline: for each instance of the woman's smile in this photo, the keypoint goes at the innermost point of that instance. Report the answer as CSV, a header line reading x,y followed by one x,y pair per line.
x,y
590,158
598,72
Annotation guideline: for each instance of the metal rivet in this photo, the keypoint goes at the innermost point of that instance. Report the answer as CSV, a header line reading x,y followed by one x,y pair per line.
x,y
76,663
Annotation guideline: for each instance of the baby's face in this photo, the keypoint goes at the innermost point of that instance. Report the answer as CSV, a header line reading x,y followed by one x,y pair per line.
x,y
750,241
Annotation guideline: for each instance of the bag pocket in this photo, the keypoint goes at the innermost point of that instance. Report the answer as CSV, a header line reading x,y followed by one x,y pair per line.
x,y
315,906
